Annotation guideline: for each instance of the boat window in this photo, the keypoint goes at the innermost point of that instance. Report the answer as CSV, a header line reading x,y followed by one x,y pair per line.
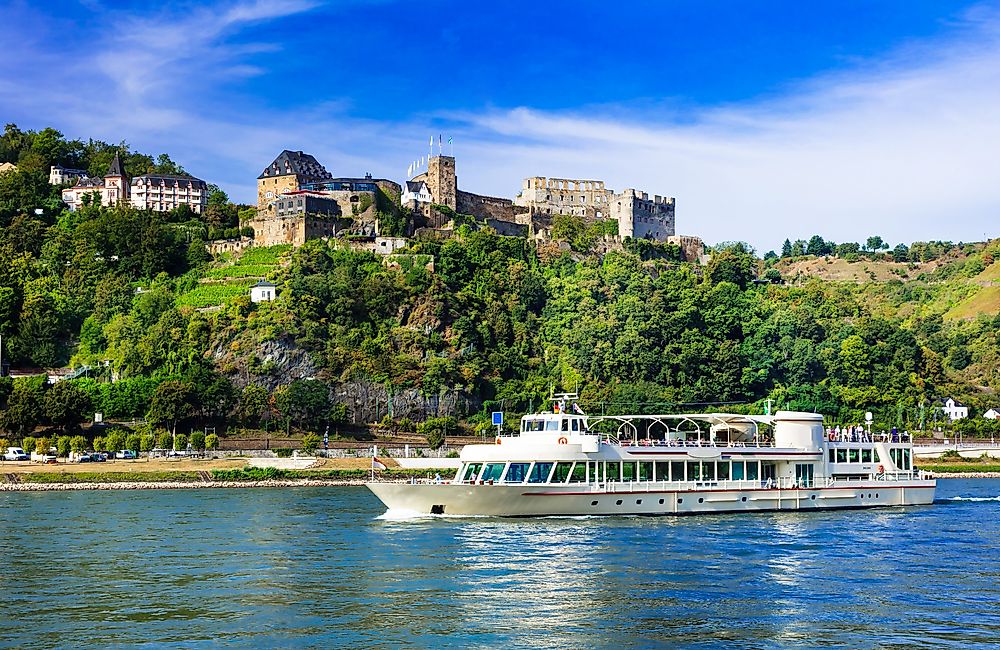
x,y
677,470
708,471
646,471
841,455
492,472
536,425
565,425
628,471
693,470
579,474
552,425
723,470
753,470
540,473
833,455
516,473
471,471
852,455
866,455
662,470
562,472
613,471
576,424
906,460
739,472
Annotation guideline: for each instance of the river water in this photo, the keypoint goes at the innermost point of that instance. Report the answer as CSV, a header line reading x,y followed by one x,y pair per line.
x,y
317,567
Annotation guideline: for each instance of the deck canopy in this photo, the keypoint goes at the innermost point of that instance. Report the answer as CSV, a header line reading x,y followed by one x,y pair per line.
x,y
706,427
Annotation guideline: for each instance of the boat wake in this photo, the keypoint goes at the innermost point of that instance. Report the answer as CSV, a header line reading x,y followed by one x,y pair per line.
x,y
407,515
973,499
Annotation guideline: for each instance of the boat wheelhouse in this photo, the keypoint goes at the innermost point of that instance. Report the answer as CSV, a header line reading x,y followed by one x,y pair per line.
x,y
568,463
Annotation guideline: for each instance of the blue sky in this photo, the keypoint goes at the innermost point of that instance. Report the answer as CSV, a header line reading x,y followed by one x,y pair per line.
x,y
765,120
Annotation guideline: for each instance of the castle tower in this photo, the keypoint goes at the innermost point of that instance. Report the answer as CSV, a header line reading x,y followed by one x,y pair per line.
x,y
115,183
441,180
288,173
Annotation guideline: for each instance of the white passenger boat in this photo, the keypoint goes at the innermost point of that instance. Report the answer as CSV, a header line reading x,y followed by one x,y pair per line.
x,y
566,463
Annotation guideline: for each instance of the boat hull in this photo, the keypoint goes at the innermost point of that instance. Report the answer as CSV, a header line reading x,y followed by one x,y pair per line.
x,y
580,500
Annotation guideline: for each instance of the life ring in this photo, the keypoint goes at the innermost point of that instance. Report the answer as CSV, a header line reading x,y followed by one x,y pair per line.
x,y
562,440
498,440
881,470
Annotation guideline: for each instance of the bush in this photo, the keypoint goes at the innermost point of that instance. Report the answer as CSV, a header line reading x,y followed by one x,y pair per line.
x,y
198,440
78,444
282,453
147,442
28,444
115,441
42,445
435,429
4,444
310,442
164,440
99,444
211,442
63,446
180,442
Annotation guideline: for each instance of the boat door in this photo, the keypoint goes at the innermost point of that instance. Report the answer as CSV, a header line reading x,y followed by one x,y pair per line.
x,y
769,472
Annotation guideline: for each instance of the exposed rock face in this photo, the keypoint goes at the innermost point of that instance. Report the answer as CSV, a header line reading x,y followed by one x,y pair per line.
x,y
370,402
269,363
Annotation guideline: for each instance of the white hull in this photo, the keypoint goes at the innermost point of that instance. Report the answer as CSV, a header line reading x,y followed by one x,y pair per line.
x,y
639,499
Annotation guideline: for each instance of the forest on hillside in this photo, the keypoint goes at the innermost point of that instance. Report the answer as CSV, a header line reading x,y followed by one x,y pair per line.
x,y
497,324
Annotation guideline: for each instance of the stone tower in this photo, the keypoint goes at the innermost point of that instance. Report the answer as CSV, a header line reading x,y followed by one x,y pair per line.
x,y
441,180
115,183
288,173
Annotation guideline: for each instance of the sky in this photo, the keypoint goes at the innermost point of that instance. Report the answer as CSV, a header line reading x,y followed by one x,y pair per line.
x,y
765,119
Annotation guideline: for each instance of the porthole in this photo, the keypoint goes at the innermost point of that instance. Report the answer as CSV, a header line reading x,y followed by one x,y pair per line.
x,y
618,502
661,502
813,497
743,499
680,500
869,495
593,503
876,495
638,502
701,500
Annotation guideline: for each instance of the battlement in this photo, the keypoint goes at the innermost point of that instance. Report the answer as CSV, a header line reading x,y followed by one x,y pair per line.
x,y
563,184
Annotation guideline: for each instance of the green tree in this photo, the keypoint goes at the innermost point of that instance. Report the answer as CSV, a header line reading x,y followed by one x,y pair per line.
x,y
310,442
198,440
63,446
78,444
180,442
65,405
211,442
165,440
171,403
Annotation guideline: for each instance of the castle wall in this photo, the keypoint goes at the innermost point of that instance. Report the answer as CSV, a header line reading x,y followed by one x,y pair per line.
x,y
487,207
639,216
584,198
269,189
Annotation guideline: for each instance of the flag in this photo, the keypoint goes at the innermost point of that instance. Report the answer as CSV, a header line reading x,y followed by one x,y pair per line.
x,y
377,464
432,142
409,171
555,407
451,140
577,409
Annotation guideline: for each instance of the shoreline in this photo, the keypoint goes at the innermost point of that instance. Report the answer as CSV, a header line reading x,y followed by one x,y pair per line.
x,y
270,483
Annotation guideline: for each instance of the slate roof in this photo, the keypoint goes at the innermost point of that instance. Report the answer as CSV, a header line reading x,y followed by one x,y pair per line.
x,y
296,163
115,168
85,181
414,186
169,180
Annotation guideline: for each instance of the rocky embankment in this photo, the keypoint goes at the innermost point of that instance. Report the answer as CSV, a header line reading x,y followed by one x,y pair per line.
x,y
181,485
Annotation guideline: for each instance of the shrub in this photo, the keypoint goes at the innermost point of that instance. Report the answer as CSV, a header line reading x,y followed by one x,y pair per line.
x,y
211,442
435,429
99,444
405,424
78,444
146,442
28,444
164,440
180,442
4,444
42,445
115,441
310,442
282,453
198,440
63,446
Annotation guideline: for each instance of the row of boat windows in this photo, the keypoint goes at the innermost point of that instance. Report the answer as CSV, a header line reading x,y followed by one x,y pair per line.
x,y
564,424
900,457
587,471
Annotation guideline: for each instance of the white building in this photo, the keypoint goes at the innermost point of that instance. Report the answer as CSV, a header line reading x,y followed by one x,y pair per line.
x,y
110,190
992,414
263,291
164,192
59,175
416,192
955,410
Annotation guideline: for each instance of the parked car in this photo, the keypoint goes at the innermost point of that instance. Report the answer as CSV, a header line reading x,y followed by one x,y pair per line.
x,y
84,458
98,457
16,453
126,454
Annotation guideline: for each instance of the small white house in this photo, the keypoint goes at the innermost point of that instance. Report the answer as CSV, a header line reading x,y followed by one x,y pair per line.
x,y
992,414
263,291
955,410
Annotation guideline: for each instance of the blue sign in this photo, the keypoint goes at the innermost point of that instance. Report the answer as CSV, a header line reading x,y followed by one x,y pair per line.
x,y
497,418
